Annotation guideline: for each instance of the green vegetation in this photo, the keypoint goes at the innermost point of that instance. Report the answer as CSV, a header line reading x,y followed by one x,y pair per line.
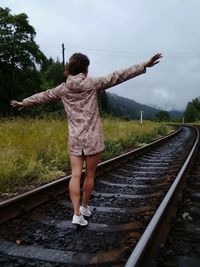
x,y
31,150
20,57
35,151
163,116
121,135
192,111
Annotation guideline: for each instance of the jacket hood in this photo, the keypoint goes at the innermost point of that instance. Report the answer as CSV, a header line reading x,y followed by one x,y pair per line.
x,y
76,82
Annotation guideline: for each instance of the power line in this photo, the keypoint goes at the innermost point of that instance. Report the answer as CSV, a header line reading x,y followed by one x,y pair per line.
x,y
126,54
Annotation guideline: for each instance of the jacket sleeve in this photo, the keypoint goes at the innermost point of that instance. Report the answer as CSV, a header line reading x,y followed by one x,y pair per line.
x,y
45,97
118,77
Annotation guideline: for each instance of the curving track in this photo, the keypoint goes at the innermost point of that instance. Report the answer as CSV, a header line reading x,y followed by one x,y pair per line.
x,y
123,202
182,247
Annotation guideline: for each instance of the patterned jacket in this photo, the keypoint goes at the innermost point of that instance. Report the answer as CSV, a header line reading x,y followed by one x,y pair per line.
x,y
79,97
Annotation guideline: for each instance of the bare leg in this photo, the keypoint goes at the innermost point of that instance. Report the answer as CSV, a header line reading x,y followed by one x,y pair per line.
x,y
74,184
91,164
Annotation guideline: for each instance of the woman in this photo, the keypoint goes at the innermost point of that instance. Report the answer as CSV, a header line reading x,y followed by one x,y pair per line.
x,y
86,142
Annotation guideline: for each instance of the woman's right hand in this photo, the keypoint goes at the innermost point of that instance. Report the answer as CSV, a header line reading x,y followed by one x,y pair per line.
x,y
16,104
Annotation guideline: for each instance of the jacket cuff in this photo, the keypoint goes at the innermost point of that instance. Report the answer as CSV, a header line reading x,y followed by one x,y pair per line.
x,y
25,102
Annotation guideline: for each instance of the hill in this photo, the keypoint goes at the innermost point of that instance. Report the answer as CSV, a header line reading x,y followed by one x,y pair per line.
x,y
124,107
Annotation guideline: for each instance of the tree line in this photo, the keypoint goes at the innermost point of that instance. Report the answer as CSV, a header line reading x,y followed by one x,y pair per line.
x,y
25,70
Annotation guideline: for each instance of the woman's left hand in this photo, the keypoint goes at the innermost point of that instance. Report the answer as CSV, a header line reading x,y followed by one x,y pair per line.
x,y
153,61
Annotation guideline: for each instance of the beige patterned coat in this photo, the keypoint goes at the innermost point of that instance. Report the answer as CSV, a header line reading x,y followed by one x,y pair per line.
x,y
79,97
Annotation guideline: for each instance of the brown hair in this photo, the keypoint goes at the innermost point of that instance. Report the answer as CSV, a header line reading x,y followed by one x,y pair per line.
x,y
78,63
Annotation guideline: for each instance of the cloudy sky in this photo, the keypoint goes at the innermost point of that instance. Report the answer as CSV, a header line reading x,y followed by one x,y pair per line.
x,y
118,33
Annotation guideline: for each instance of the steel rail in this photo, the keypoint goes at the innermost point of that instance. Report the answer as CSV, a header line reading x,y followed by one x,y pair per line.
x,y
16,205
147,248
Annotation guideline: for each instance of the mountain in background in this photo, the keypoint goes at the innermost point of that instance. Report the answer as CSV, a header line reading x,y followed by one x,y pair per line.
x,y
124,107
175,114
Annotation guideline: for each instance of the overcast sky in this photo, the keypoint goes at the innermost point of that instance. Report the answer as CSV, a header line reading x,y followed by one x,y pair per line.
x,y
118,33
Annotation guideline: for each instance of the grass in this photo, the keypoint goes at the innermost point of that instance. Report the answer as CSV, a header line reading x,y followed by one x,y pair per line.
x,y
121,135
34,151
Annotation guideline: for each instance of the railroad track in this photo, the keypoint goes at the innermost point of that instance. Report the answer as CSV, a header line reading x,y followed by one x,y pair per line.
x,y
128,191
182,247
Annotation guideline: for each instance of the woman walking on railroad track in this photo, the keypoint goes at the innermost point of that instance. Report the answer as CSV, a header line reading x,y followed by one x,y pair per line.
x,y
79,97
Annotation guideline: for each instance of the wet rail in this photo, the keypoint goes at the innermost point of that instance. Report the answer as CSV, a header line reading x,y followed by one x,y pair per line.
x,y
182,246
128,191
144,254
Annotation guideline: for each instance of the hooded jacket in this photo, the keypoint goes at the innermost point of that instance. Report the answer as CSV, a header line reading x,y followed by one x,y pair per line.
x,y
79,97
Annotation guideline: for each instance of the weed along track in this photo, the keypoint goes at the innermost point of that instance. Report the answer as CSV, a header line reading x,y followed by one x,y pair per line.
x,y
128,190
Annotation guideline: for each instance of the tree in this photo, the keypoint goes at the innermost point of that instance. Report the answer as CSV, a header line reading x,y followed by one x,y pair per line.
x,y
163,115
192,111
103,102
53,75
20,58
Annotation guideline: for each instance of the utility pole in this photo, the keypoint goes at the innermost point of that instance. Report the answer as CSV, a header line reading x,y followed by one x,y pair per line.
x,y
63,55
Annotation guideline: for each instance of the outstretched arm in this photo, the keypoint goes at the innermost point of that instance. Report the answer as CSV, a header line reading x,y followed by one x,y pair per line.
x,y
43,97
120,76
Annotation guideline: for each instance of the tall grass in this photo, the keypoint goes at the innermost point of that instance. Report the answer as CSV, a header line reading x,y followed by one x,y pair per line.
x,y
121,135
31,150
35,151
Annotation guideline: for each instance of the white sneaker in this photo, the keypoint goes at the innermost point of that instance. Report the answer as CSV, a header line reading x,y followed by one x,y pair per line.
x,y
85,211
79,220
